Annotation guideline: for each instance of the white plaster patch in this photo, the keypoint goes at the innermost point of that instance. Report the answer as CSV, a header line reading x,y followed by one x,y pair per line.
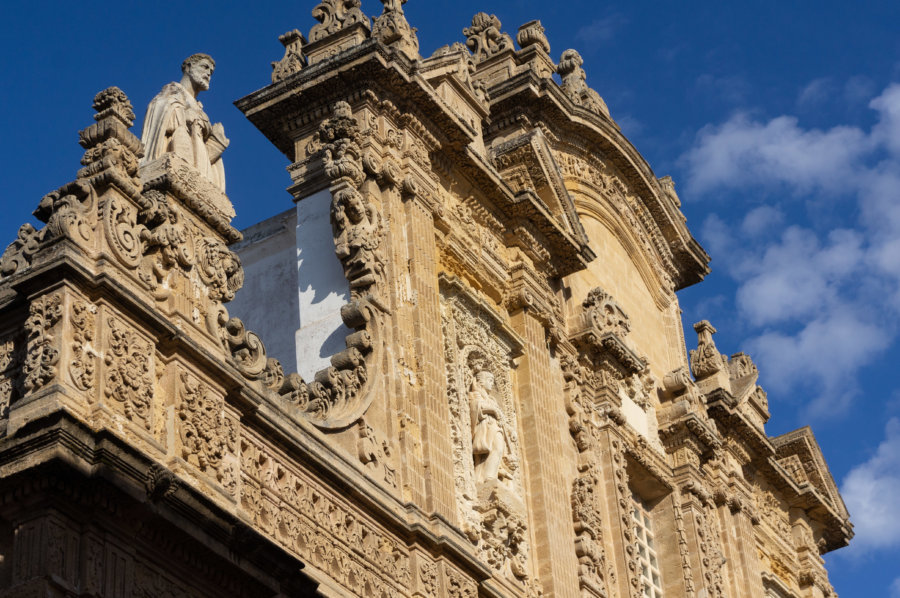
x,y
322,289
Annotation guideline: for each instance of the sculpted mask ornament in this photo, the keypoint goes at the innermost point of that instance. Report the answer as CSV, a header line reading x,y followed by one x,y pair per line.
x,y
176,123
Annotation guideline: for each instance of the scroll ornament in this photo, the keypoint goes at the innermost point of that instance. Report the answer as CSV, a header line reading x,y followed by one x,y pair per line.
x,y
335,15
484,37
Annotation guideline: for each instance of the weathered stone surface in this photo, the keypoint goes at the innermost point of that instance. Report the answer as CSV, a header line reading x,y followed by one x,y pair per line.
x,y
510,410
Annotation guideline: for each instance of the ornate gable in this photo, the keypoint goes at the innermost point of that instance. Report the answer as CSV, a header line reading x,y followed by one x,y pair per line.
x,y
799,454
527,164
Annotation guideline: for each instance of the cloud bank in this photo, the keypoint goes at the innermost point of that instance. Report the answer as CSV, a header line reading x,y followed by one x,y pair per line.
x,y
820,303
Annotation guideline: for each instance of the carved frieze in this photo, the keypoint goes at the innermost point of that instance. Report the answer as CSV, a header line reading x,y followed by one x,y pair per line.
x,y
308,519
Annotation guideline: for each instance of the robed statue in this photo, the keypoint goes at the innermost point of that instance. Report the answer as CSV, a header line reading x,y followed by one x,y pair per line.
x,y
488,434
176,123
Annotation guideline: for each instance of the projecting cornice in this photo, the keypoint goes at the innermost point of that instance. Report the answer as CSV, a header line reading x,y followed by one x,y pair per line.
x,y
540,101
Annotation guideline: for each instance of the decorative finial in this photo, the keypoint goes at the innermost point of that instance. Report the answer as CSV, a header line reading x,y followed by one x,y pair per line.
x,y
574,85
532,34
484,37
392,29
293,60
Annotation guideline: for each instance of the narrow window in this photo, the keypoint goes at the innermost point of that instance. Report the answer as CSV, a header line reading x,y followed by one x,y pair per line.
x,y
646,548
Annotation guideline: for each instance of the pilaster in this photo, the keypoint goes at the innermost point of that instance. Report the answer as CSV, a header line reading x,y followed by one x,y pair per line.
x,y
540,410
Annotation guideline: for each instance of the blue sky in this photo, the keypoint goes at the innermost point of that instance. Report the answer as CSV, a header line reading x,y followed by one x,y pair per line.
x,y
779,121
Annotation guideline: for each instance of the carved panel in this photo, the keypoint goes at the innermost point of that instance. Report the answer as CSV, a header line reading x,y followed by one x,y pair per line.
x,y
489,488
42,353
129,376
208,435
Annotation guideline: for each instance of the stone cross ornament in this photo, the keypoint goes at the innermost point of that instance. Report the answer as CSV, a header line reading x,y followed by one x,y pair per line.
x,y
176,123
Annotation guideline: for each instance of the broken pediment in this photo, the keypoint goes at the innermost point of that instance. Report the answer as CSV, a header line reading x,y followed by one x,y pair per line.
x,y
526,164
799,455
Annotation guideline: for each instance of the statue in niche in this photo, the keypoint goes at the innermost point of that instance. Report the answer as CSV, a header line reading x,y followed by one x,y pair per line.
x,y
489,442
176,123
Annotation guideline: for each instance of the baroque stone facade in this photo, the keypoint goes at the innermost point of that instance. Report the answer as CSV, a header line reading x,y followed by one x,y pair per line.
x,y
510,410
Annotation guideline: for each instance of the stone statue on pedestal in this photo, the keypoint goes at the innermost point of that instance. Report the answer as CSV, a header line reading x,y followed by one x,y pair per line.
x,y
176,123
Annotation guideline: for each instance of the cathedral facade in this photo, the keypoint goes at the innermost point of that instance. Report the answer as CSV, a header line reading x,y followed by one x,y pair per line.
x,y
468,376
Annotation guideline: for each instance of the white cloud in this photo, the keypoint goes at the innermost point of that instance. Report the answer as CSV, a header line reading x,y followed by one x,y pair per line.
x,y
869,491
895,588
761,220
823,357
819,303
601,30
743,152
816,91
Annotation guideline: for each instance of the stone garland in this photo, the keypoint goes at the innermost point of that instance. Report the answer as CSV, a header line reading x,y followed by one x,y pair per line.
x,y
683,551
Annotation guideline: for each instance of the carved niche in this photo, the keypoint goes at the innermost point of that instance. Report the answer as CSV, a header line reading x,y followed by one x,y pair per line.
x,y
478,351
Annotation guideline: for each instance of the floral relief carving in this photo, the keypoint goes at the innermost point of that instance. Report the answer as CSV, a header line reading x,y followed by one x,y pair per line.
x,y
83,367
10,361
713,558
428,578
129,377
207,434
623,497
42,354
